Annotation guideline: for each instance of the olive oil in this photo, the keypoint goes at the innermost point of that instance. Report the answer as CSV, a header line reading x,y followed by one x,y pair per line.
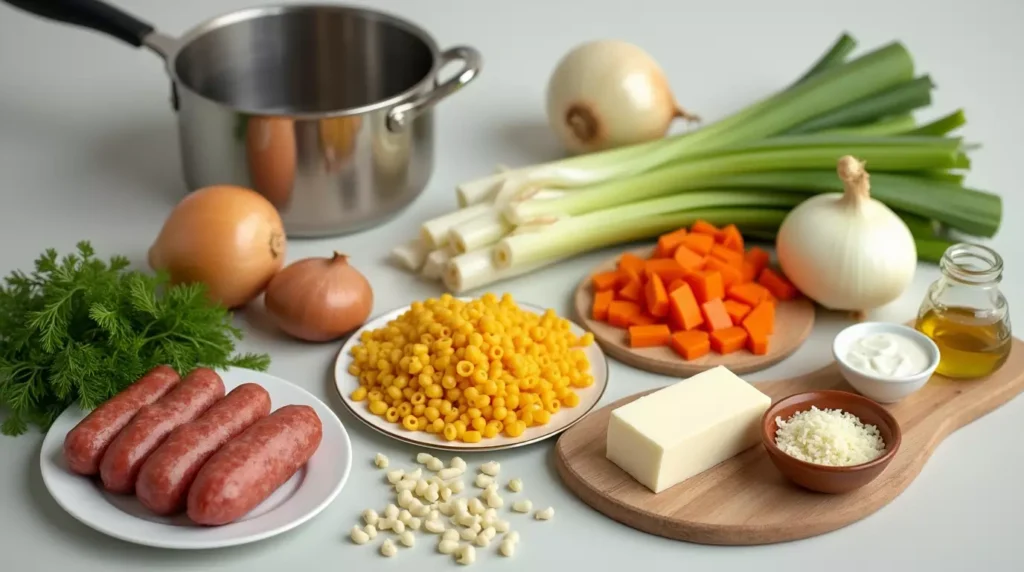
x,y
970,346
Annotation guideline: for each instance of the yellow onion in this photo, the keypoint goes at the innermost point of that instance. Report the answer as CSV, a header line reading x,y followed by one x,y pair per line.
x,y
319,299
609,93
229,238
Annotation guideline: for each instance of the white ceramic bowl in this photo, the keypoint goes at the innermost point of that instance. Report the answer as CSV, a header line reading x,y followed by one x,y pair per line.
x,y
881,388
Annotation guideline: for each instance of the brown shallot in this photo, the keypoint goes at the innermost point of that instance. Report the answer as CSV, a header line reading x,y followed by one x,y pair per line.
x,y
319,299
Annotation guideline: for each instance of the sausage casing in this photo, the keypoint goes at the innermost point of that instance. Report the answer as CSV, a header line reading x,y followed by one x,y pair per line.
x,y
164,479
120,465
85,444
248,468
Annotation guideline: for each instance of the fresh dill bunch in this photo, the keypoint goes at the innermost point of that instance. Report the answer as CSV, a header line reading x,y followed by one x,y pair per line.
x,y
81,329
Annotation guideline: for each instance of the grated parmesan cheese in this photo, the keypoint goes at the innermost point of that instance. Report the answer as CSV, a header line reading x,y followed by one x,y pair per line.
x,y
828,437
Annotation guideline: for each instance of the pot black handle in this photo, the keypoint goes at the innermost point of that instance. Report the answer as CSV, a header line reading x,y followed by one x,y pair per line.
x,y
94,14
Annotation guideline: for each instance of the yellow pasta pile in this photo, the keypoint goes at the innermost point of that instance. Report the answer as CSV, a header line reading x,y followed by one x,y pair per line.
x,y
470,370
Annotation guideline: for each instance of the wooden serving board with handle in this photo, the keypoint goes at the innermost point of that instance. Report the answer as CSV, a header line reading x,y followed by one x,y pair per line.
x,y
794,321
745,500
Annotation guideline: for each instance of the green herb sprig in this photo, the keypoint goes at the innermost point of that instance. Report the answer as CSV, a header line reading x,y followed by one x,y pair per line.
x,y
81,329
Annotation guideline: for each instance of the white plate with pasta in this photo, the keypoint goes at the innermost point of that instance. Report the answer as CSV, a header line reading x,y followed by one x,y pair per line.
x,y
585,382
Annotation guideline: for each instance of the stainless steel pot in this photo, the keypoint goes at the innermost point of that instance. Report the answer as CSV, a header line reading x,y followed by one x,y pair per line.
x,y
326,110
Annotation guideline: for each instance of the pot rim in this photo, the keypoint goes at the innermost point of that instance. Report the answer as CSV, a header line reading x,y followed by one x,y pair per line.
x,y
218,22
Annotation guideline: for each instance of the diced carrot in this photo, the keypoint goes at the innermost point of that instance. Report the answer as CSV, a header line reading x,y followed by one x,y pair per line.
x,y
649,336
666,268
632,291
643,319
683,308
620,312
656,297
704,227
736,310
675,284
776,284
630,261
730,274
602,300
758,258
607,280
688,260
761,319
715,316
730,237
706,285
690,345
728,340
631,275
660,266
757,343
699,243
748,272
667,243
750,293
733,257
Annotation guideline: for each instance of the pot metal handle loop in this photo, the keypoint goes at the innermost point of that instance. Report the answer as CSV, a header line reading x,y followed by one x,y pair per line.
x,y
402,114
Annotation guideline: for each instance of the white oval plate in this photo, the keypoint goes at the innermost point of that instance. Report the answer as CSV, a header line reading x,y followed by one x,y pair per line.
x,y
346,383
301,498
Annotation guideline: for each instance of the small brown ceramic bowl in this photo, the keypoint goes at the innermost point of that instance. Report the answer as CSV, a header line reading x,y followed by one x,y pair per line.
x,y
824,478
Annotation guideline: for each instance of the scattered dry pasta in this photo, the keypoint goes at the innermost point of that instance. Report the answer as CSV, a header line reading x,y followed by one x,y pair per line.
x,y
470,370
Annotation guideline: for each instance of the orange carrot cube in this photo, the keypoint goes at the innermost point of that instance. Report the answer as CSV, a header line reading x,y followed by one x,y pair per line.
x,y
761,319
736,310
620,313
730,237
602,300
667,243
730,274
683,309
750,293
706,285
687,259
699,243
649,336
757,343
630,261
715,315
690,345
704,227
776,284
656,297
607,280
728,340
758,258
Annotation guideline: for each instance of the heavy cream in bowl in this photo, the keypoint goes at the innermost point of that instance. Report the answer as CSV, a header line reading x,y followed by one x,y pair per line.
x,y
885,362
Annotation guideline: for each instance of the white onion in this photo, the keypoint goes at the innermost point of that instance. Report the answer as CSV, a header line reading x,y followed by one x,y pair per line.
x,y
609,93
847,251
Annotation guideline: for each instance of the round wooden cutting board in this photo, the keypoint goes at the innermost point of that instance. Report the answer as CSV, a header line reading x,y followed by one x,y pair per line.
x,y
794,321
746,500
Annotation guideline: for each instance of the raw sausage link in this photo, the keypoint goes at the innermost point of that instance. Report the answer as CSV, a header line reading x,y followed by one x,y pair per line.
x,y
245,471
195,394
85,444
165,477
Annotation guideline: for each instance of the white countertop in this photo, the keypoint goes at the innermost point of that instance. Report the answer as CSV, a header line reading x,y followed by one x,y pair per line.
x,y
88,151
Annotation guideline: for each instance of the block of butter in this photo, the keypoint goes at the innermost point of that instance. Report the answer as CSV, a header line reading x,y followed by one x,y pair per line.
x,y
686,428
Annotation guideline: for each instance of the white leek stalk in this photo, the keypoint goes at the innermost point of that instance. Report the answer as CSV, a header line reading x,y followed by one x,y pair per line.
x,y
476,269
435,231
437,260
847,251
479,232
410,255
575,235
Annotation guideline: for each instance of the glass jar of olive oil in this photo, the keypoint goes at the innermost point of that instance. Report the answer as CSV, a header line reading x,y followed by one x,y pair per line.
x,y
965,313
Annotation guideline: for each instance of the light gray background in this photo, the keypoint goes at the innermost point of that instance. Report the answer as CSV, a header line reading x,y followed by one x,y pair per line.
x,y
88,151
